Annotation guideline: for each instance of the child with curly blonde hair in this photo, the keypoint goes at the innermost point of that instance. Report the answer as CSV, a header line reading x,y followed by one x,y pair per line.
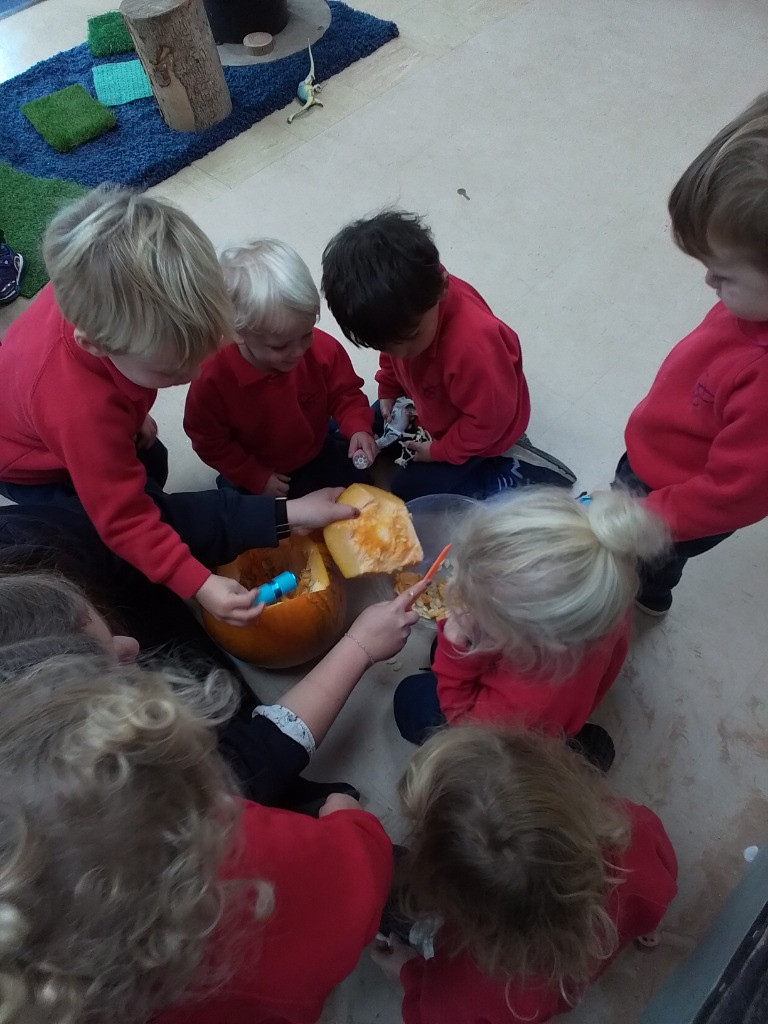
x,y
531,874
539,613
136,883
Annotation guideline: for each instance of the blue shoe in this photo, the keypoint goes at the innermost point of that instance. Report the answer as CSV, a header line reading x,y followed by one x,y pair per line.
x,y
507,478
11,269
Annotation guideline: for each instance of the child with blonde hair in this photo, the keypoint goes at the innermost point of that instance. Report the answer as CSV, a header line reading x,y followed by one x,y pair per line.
x,y
280,410
136,302
138,886
539,613
697,444
525,876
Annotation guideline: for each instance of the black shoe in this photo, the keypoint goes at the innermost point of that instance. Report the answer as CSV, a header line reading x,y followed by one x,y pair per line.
x,y
652,608
11,269
551,470
594,743
307,797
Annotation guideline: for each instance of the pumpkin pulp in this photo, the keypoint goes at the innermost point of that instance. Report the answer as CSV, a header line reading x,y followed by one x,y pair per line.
x,y
301,626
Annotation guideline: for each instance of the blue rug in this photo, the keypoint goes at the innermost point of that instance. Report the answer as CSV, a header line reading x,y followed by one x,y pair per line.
x,y
143,150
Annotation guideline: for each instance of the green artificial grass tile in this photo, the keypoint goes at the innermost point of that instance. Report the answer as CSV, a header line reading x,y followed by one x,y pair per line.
x,y
107,35
69,117
26,206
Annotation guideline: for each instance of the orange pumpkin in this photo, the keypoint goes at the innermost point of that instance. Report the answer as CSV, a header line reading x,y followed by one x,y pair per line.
x,y
381,539
301,626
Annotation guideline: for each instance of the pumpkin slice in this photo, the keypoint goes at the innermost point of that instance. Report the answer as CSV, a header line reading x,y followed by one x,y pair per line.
x,y
300,627
381,539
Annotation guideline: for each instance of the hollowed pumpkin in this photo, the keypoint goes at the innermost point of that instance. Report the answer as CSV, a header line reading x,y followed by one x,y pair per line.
x,y
381,539
301,626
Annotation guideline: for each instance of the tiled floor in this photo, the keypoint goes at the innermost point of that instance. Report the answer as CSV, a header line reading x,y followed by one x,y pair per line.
x,y
566,122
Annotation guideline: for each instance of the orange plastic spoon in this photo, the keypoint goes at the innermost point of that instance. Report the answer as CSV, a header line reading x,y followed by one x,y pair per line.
x,y
432,570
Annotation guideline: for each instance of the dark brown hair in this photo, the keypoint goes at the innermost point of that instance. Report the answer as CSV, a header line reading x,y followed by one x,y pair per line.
x,y
722,198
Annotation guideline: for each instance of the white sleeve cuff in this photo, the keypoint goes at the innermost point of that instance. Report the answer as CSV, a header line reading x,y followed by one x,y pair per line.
x,y
289,723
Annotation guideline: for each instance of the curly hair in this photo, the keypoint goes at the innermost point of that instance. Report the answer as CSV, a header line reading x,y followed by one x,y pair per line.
x,y
116,812
538,577
510,843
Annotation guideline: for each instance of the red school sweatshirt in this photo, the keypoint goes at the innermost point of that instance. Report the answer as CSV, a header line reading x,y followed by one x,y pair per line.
x,y
69,415
699,438
468,386
485,687
453,990
330,876
248,424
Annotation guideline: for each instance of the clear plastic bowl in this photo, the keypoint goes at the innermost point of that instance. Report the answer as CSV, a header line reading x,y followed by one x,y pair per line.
x,y
436,519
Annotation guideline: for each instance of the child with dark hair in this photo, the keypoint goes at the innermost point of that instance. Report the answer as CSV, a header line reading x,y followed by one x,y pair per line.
x,y
525,874
697,444
442,347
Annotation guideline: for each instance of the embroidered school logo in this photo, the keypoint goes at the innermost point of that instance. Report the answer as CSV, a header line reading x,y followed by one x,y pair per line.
x,y
702,395
429,392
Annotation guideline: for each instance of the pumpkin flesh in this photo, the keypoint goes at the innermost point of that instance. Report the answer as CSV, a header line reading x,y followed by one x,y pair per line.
x,y
301,626
381,539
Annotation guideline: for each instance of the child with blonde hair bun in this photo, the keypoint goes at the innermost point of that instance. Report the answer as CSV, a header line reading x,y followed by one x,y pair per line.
x,y
525,876
539,613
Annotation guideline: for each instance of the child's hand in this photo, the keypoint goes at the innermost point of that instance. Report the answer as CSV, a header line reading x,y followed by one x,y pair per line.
x,y
338,802
365,443
147,436
318,509
391,956
385,408
383,628
278,485
229,601
422,450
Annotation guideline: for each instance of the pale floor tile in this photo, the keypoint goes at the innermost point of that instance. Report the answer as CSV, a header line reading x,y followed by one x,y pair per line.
x,y
386,67
240,158
188,188
567,125
339,99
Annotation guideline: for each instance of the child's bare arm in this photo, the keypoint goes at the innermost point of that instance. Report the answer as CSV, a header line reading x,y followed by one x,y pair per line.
x,y
378,632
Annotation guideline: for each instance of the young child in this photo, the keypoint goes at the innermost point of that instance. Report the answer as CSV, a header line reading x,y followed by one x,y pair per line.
x,y
697,444
539,613
44,613
532,875
136,302
138,886
261,410
442,347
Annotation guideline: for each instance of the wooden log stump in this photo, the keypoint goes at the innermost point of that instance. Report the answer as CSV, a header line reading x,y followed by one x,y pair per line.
x,y
175,45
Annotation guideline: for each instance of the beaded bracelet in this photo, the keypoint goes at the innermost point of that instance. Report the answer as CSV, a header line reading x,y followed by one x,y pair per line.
x,y
362,647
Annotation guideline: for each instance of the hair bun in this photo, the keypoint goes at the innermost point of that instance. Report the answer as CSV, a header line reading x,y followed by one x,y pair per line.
x,y
624,526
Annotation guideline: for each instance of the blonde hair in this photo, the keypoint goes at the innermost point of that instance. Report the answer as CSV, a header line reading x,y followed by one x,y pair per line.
x,y
540,576
137,276
116,813
722,198
267,281
510,843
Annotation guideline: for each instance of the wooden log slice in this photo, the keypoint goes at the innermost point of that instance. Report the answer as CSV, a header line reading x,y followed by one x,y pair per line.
x,y
259,43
